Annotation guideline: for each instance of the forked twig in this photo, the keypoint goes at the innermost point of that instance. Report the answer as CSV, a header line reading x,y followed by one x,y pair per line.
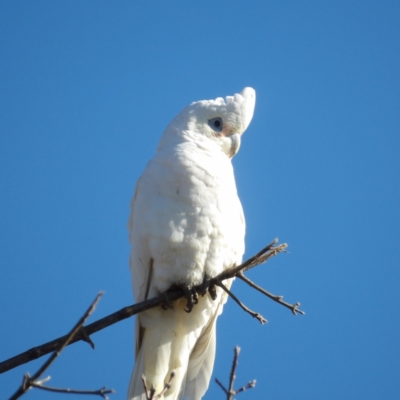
x,y
84,332
254,314
279,299
100,392
29,381
151,393
261,257
231,392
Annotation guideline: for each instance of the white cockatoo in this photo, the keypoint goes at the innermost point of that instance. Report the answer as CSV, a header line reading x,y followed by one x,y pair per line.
x,y
186,226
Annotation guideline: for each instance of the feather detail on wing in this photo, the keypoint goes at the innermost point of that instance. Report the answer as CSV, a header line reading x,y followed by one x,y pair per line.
x,y
140,255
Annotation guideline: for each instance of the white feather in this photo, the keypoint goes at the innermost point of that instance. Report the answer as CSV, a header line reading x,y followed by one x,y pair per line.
x,y
186,223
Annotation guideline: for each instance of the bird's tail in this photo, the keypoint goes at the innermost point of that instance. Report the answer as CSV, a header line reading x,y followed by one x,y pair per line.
x,y
201,364
165,341
136,388
173,340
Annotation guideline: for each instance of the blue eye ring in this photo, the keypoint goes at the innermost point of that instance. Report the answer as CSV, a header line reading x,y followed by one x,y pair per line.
x,y
216,124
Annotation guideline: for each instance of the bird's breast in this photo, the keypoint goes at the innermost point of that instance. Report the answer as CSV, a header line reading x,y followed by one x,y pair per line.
x,y
192,216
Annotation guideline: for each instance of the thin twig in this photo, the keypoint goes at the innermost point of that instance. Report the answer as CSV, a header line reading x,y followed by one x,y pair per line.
x,y
27,381
70,336
254,314
250,385
232,376
231,392
260,258
43,380
100,392
149,393
166,386
279,299
222,386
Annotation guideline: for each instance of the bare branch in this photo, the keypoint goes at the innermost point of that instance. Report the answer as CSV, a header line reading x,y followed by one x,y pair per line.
x,y
222,386
43,380
100,392
254,314
279,299
232,376
151,393
260,258
231,392
84,332
126,312
29,382
70,336
250,385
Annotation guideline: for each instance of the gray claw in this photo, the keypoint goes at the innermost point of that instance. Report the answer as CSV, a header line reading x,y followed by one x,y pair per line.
x,y
205,285
208,287
213,292
166,305
191,296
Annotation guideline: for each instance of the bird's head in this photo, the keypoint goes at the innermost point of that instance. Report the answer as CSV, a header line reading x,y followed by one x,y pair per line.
x,y
221,121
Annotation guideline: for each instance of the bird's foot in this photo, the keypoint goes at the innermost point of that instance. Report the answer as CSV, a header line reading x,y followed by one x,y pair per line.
x,y
166,304
191,296
209,287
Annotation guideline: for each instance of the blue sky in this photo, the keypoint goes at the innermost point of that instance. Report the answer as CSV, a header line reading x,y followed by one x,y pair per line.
x,y
87,89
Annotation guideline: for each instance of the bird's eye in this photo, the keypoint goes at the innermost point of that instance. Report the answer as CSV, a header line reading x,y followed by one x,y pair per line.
x,y
216,124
